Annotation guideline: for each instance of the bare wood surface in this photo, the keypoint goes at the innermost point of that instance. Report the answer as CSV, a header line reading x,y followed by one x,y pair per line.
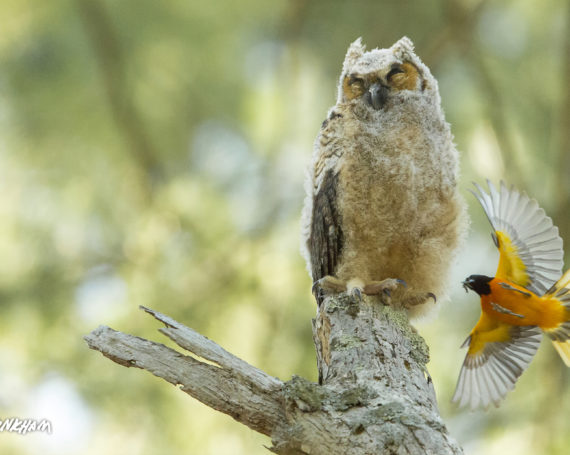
x,y
374,396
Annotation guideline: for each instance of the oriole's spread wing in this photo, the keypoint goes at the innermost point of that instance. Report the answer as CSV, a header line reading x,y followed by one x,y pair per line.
x,y
326,237
498,354
530,248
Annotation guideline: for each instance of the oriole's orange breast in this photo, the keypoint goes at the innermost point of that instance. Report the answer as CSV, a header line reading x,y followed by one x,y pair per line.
x,y
522,306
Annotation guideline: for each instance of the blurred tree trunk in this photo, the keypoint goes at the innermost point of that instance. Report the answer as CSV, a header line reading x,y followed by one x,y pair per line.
x,y
374,396
563,183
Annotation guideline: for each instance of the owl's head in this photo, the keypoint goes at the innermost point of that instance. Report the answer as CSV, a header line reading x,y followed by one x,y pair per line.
x,y
380,74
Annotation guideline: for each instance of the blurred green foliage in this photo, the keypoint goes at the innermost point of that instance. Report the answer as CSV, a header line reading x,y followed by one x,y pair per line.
x,y
153,153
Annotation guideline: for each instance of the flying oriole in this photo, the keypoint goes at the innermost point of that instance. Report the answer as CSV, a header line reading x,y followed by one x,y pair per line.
x,y
520,303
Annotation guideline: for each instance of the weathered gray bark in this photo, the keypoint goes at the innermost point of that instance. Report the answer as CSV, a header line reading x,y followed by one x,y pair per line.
x,y
375,395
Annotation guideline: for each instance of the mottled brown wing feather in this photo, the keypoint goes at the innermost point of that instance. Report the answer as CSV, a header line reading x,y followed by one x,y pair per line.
x,y
326,239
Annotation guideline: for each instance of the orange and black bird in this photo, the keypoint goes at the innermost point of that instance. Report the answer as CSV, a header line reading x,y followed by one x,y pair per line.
x,y
525,298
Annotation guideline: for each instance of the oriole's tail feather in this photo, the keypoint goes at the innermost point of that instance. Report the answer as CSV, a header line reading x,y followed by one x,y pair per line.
x,y
563,348
560,336
561,289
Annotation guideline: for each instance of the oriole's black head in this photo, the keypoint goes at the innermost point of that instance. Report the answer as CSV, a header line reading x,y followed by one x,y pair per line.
x,y
478,283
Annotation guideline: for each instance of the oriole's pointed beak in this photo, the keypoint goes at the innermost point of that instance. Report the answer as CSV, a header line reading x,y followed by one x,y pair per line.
x,y
377,95
467,284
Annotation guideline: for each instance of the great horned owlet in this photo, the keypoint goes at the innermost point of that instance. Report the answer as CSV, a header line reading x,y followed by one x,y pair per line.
x,y
382,212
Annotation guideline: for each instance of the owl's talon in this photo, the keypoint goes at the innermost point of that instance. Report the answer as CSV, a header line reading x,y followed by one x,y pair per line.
x,y
356,294
316,287
418,299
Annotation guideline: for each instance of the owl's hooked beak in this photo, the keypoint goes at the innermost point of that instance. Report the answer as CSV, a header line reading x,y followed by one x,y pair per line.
x,y
377,95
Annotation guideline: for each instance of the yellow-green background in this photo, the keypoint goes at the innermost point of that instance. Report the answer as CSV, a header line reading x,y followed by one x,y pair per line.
x,y
153,153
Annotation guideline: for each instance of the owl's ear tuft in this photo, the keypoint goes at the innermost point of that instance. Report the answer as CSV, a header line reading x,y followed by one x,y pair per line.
x,y
354,52
403,49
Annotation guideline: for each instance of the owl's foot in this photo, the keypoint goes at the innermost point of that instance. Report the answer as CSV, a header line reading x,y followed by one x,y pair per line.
x,y
356,287
331,284
386,286
328,283
414,299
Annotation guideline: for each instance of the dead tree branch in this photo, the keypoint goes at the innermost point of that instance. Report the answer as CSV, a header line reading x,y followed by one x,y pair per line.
x,y
375,395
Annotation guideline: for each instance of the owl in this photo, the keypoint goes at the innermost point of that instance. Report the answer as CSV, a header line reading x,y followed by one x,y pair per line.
x,y
382,213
